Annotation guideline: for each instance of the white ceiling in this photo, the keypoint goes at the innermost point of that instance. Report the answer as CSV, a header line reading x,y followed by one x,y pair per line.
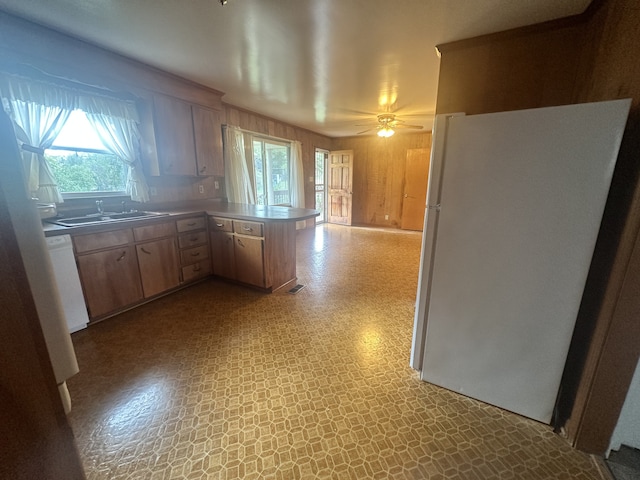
x,y
325,65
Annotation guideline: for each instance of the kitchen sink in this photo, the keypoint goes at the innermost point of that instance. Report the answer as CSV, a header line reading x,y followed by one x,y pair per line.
x,y
106,217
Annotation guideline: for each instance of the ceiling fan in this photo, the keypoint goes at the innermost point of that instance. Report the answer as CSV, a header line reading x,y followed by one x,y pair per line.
x,y
387,124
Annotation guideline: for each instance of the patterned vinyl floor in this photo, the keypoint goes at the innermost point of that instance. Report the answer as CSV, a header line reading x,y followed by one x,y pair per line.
x,y
222,382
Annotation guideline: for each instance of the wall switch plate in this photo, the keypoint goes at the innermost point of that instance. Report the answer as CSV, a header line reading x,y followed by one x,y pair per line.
x,y
386,217
311,179
201,188
153,192
216,185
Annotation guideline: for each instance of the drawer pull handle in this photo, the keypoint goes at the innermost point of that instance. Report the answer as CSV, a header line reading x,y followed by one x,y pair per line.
x,y
124,254
193,239
220,225
196,268
145,251
240,243
192,224
197,254
247,229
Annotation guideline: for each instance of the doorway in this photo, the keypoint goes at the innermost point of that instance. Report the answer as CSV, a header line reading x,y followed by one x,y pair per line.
x,y
322,158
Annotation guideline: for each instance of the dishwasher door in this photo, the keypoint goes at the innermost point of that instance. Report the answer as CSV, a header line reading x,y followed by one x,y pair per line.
x,y
68,281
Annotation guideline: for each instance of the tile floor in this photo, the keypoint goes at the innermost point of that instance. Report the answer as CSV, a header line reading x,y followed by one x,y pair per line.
x,y
222,382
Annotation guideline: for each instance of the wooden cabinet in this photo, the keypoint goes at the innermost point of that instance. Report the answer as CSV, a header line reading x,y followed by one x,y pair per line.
x,y
110,278
193,242
249,255
157,259
262,254
223,258
188,138
174,136
122,267
207,129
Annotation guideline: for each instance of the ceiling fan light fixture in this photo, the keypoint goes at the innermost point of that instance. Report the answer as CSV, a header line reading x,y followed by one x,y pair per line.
x,y
385,132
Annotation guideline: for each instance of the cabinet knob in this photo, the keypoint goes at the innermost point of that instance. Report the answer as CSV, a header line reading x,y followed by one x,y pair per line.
x,y
124,254
203,169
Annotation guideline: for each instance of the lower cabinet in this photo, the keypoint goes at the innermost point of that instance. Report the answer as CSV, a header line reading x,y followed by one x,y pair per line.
x,y
158,262
194,248
121,267
238,250
249,254
110,279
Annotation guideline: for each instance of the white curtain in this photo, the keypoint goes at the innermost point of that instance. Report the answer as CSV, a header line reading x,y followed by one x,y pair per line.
x,y
37,127
237,180
297,180
116,125
39,111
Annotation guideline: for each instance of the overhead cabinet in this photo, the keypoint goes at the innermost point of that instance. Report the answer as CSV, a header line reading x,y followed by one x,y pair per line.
x,y
188,138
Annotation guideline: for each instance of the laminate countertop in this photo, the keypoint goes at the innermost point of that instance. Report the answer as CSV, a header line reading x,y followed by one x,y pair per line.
x,y
238,211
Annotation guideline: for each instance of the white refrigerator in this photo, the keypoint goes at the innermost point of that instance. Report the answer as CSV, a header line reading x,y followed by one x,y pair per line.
x,y
514,205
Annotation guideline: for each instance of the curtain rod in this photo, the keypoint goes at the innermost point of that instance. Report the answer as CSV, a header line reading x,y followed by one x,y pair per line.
x,y
243,130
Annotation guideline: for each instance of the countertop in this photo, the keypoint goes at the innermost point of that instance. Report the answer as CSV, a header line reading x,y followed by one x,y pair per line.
x,y
239,211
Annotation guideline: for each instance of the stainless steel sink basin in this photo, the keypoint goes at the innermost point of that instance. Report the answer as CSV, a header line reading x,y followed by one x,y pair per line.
x,y
102,218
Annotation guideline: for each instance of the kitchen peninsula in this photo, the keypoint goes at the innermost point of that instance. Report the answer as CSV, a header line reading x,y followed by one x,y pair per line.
x,y
125,263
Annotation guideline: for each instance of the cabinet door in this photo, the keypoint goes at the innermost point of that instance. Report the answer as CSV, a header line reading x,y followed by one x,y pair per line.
x,y
222,255
249,260
159,268
110,280
207,128
174,136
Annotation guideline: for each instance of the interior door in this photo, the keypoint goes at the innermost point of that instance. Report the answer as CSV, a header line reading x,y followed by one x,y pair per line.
x,y
340,187
416,178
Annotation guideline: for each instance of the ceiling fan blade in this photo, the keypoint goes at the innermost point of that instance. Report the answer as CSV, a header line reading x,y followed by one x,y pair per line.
x,y
365,131
402,125
372,124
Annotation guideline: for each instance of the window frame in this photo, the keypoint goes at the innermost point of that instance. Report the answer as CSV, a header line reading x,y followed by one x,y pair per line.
x,y
89,194
266,173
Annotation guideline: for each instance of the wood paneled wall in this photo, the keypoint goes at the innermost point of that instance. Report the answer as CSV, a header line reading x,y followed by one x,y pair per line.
x,y
378,175
590,57
610,314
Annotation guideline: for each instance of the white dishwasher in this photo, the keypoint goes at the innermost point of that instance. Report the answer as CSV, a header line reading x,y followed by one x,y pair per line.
x,y
68,281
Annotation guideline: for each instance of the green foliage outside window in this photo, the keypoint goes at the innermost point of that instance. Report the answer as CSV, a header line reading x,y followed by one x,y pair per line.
x,y
87,172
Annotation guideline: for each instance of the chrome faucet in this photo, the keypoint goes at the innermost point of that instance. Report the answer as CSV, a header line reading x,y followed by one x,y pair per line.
x,y
99,207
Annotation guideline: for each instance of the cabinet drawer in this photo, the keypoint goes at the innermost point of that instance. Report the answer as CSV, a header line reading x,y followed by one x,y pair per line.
x,y
247,228
196,270
195,254
158,230
188,224
192,239
98,241
217,224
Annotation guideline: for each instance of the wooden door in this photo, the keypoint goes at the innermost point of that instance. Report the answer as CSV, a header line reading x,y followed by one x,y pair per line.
x,y
207,130
158,263
223,259
174,136
249,260
416,178
340,187
110,280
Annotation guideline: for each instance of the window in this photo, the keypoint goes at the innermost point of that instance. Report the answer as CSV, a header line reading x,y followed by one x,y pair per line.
x,y
80,162
271,172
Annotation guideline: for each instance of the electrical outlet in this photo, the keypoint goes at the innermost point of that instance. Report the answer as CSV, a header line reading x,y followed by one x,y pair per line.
x,y
153,192
311,179
216,185
201,188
